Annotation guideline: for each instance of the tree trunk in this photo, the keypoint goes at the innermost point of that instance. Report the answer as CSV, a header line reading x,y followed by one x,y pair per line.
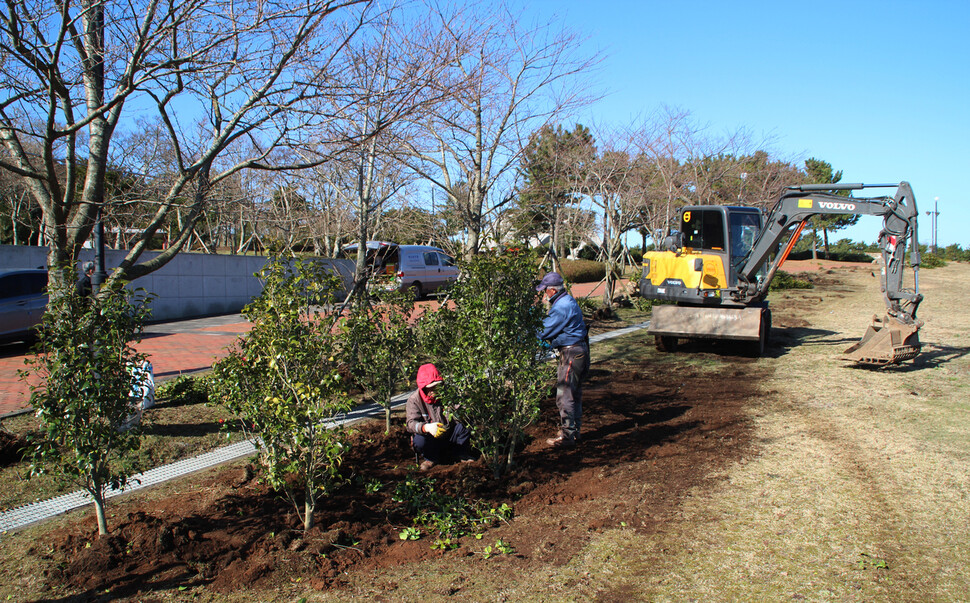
x,y
242,230
609,284
308,513
14,212
508,459
471,244
554,240
387,417
814,243
609,251
825,242
99,512
360,268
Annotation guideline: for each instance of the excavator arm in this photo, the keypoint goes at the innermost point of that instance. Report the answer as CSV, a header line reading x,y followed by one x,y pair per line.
x,y
800,203
718,278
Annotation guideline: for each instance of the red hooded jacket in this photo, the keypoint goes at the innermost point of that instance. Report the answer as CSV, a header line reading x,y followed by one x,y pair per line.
x,y
421,409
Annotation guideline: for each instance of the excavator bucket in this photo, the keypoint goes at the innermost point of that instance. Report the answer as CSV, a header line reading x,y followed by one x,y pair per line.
x,y
887,341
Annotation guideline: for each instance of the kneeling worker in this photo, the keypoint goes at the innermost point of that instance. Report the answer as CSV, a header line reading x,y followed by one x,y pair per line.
x,y
434,437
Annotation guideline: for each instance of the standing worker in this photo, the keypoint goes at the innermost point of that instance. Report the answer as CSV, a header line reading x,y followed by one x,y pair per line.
x,y
434,437
83,285
565,330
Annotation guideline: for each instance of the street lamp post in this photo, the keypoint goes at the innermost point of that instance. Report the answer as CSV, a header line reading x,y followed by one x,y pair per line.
x,y
100,275
933,214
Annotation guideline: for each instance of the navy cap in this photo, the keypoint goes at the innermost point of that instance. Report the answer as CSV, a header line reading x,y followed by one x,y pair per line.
x,y
551,279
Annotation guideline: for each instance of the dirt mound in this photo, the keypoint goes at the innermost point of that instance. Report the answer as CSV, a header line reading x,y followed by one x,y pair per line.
x,y
649,436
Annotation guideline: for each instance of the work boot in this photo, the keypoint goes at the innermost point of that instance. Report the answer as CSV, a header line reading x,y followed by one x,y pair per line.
x,y
426,465
465,455
561,441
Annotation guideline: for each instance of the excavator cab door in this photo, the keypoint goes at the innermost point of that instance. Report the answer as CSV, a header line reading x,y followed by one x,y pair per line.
x,y
744,224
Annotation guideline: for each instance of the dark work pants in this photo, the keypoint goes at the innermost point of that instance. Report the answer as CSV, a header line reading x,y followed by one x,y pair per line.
x,y
573,366
451,443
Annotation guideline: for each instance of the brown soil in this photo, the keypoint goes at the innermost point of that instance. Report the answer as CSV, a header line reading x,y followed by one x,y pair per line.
x,y
650,437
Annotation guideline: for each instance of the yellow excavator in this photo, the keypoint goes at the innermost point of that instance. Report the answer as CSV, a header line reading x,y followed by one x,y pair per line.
x,y
716,269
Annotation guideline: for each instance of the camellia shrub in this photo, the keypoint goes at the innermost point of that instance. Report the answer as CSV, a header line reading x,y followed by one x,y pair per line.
x,y
380,343
283,382
486,346
84,400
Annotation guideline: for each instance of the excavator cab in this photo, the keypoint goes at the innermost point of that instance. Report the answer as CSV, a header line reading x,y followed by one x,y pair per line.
x,y
743,227
711,245
722,229
703,228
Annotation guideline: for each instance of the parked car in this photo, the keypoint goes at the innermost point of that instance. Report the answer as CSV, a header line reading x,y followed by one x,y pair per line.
x,y
421,268
23,300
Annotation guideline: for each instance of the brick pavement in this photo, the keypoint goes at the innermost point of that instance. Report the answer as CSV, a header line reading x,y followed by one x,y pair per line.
x,y
174,348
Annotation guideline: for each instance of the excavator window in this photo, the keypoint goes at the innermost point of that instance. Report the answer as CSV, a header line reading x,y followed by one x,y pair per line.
x,y
703,229
744,228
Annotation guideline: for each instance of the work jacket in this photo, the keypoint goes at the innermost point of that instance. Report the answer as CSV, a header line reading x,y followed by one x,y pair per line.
x,y
563,325
420,408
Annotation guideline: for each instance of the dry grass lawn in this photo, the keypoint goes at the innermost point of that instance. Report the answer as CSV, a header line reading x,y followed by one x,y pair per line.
x,y
860,486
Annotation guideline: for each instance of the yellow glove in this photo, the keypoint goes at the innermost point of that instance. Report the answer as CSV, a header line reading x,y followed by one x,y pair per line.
x,y
434,429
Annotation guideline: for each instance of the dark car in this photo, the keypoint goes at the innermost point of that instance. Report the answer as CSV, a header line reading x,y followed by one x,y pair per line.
x,y
23,300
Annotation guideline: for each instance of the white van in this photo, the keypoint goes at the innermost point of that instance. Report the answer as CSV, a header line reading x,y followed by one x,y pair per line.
x,y
421,268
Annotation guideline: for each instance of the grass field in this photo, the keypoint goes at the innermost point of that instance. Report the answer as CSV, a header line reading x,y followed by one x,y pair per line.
x,y
858,488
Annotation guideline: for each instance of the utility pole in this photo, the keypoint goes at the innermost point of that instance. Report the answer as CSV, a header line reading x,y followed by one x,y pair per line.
x,y
933,214
100,275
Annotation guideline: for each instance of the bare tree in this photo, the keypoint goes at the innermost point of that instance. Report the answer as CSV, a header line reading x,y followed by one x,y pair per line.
x,y
219,75
688,165
612,186
664,141
763,178
332,222
409,224
396,71
507,77
19,214
578,225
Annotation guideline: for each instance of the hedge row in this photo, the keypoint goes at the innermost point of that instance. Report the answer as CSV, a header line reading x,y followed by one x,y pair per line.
x,y
582,271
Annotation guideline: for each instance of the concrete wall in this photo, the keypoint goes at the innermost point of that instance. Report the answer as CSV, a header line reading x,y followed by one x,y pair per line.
x,y
190,285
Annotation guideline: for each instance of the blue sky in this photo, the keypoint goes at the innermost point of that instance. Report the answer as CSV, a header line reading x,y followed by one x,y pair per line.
x,y
881,90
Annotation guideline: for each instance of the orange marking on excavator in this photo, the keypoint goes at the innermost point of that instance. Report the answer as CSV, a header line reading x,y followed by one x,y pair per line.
x,y
791,242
